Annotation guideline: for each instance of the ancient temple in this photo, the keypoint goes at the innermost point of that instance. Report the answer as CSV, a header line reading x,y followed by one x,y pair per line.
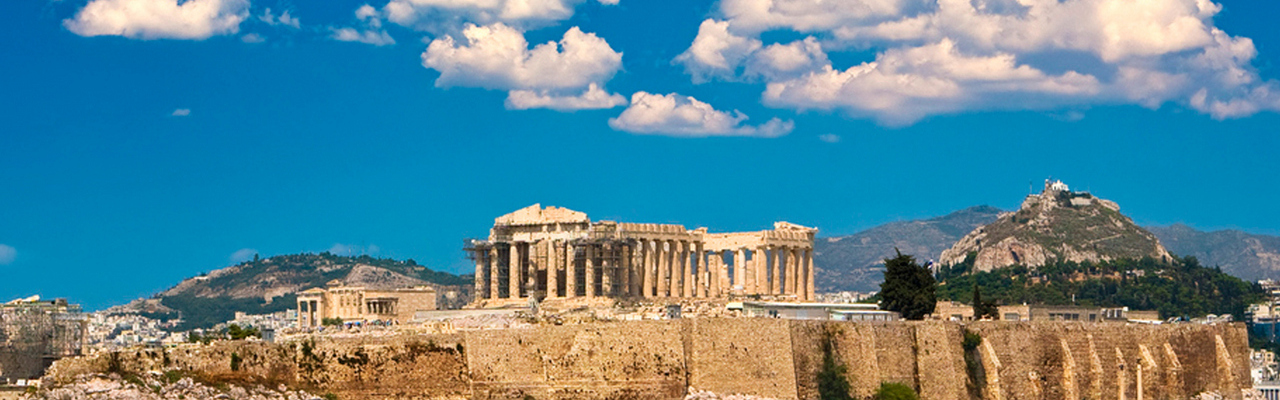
x,y
560,253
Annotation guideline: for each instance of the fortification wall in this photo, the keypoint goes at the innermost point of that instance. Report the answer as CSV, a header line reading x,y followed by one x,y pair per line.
x,y
764,357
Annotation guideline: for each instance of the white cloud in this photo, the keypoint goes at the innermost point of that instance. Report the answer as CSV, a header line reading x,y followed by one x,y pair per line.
x,y
999,54
283,19
430,14
242,255
352,250
904,85
498,57
7,254
181,112
159,19
370,32
252,38
829,138
609,2
373,37
716,52
677,115
593,99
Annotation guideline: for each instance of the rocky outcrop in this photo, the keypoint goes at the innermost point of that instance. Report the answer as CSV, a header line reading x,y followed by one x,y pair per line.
x,y
1055,225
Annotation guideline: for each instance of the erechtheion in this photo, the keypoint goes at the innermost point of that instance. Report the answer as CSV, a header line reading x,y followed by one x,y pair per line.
x,y
559,253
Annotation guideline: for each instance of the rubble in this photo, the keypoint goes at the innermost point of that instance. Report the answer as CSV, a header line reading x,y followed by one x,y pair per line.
x,y
152,386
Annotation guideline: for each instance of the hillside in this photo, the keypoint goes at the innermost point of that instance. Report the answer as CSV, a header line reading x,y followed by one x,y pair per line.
x,y
1248,256
1057,225
855,262
268,285
1176,287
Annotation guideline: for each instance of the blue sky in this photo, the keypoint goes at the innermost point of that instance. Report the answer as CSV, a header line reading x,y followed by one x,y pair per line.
x,y
145,141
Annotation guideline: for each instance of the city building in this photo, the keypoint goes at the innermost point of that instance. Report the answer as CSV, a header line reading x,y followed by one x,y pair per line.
x,y
560,253
817,311
1026,312
359,304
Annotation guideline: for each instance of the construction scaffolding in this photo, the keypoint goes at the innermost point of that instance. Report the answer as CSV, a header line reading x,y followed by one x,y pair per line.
x,y
35,333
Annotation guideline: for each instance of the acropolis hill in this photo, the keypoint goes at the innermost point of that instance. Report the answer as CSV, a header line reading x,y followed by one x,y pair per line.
x,y
770,358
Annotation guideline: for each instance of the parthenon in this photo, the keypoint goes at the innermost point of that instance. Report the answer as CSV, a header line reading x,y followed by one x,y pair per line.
x,y
555,252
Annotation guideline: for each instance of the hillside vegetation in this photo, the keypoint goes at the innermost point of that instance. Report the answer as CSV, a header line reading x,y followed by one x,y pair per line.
x,y
1177,287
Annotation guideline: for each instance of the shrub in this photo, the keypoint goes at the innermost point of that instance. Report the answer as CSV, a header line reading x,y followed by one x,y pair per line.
x,y
895,391
971,340
331,321
235,361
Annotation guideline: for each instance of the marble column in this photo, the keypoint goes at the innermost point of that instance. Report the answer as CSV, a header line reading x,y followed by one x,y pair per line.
x,y
699,270
513,270
646,268
482,285
713,268
590,271
762,271
775,280
624,257
677,248
739,269
793,272
664,269
571,270
607,267
749,281
686,273
810,294
493,272
554,260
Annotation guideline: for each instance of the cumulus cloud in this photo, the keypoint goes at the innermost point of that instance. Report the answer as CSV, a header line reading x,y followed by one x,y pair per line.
x,y
829,138
181,112
284,19
7,254
1043,54
252,38
498,57
594,98
242,255
159,19
437,15
677,115
369,32
718,53
904,85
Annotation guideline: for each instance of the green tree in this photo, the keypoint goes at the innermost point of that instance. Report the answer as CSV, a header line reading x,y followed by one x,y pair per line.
x,y
983,308
895,391
908,287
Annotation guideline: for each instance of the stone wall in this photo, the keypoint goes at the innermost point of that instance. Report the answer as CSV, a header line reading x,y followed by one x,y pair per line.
x,y
764,357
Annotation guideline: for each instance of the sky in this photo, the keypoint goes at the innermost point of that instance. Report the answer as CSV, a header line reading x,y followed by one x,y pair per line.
x,y
146,141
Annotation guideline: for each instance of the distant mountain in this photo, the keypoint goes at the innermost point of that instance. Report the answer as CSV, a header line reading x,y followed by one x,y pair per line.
x,y
1057,225
1244,255
268,285
855,262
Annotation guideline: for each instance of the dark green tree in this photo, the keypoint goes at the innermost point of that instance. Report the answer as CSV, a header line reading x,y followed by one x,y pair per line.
x,y
983,308
908,287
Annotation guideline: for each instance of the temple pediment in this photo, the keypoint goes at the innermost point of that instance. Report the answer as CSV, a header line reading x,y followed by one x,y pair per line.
x,y
536,215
